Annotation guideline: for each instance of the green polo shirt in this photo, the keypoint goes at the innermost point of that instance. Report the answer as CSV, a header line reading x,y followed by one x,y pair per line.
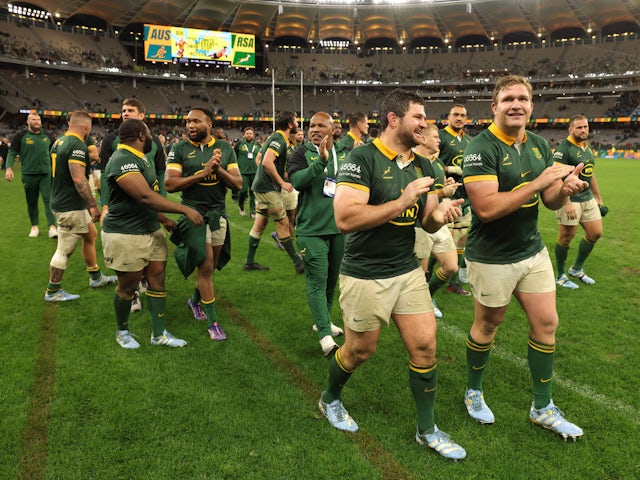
x,y
308,173
125,214
247,153
492,156
189,158
571,153
66,150
33,150
387,250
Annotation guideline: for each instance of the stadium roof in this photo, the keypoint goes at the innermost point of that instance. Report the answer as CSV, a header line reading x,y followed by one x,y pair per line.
x,y
369,23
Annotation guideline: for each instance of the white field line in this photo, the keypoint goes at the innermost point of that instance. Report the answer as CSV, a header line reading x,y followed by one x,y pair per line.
x,y
584,390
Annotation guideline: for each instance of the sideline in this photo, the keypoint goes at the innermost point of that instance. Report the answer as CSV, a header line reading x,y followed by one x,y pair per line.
x,y
33,456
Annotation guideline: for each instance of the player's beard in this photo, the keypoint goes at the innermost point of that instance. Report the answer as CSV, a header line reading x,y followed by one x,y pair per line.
x,y
408,139
199,136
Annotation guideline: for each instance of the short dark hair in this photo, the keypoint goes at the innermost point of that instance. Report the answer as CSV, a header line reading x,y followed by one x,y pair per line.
x,y
284,118
398,102
355,118
134,102
130,129
206,111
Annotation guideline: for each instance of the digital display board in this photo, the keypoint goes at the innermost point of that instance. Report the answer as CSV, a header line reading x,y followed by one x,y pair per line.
x,y
180,44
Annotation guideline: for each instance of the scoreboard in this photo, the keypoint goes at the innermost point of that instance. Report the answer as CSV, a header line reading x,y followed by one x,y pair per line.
x,y
185,45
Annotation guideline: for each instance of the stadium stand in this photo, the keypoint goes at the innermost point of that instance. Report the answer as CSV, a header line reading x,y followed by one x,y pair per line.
x,y
48,67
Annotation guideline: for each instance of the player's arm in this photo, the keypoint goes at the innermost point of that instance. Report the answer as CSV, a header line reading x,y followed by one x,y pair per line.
x,y
228,171
14,150
301,174
160,161
94,155
175,182
268,163
595,190
136,187
437,214
230,175
489,204
555,194
77,171
353,212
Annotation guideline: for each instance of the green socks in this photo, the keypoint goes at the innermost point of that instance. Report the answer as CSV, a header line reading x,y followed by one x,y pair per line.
x,y
436,281
210,310
287,243
253,246
477,358
156,302
338,377
561,258
584,249
94,272
123,310
422,382
540,358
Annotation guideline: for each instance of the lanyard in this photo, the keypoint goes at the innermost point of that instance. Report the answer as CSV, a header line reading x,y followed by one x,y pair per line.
x,y
335,160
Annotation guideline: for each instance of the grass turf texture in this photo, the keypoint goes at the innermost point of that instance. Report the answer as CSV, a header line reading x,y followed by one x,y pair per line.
x,y
75,405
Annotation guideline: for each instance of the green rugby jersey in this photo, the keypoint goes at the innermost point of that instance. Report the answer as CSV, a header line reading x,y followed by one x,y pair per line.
x,y
278,143
126,215
33,149
247,153
452,147
571,153
387,250
66,150
349,142
308,172
439,174
451,154
189,158
156,158
492,156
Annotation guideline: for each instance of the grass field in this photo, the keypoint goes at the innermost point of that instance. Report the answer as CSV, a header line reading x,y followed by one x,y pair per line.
x,y
74,405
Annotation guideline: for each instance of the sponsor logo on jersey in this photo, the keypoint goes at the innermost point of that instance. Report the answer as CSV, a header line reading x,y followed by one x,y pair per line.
x,y
129,167
350,167
78,153
472,159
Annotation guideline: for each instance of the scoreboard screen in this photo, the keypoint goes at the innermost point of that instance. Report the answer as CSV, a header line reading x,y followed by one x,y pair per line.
x,y
184,45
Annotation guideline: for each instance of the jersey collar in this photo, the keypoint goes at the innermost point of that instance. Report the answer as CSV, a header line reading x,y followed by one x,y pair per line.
x,y
354,136
387,152
210,143
453,133
71,134
136,152
503,137
577,144
285,136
